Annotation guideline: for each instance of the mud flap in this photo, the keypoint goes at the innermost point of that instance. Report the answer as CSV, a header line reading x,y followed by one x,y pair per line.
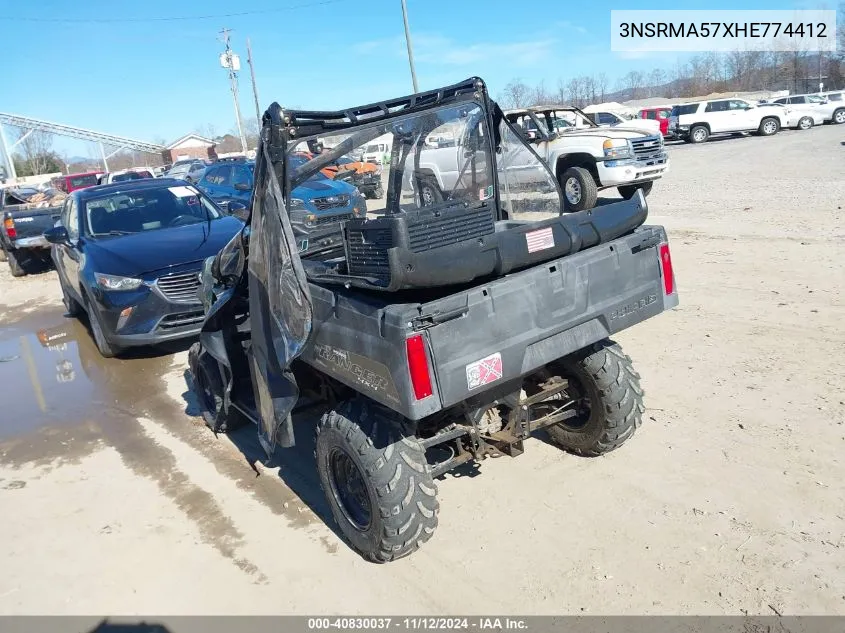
x,y
279,304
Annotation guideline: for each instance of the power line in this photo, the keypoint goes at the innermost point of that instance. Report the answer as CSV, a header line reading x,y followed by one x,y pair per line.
x,y
17,18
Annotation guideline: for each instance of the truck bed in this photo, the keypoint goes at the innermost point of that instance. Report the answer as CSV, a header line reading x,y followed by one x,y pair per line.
x,y
514,324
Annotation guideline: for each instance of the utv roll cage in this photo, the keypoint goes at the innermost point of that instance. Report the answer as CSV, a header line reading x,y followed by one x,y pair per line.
x,y
286,127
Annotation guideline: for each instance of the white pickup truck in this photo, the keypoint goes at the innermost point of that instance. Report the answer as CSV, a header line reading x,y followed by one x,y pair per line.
x,y
587,158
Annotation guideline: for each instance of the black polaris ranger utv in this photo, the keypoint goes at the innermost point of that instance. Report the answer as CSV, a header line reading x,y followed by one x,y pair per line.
x,y
465,312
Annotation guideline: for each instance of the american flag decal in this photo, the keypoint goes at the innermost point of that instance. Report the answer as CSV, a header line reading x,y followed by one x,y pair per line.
x,y
540,240
484,371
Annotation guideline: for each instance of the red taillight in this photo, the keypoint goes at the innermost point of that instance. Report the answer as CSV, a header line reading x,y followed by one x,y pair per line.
x,y
666,265
9,225
418,366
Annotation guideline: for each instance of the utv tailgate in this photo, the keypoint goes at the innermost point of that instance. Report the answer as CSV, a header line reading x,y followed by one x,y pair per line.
x,y
514,325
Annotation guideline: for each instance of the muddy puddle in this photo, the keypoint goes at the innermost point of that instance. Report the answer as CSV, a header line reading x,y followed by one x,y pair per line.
x,y
64,401
54,377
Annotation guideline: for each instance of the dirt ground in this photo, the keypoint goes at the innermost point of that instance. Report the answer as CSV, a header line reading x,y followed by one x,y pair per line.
x,y
116,499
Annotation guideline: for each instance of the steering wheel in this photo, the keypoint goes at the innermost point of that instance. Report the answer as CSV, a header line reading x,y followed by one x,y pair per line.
x,y
180,219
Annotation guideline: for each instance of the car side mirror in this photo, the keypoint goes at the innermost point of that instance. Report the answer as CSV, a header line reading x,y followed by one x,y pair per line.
x,y
57,235
239,210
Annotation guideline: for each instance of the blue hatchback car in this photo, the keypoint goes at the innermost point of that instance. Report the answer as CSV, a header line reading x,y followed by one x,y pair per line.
x,y
318,201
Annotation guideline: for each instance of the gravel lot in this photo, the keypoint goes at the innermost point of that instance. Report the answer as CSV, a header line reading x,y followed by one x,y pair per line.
x,y
116,499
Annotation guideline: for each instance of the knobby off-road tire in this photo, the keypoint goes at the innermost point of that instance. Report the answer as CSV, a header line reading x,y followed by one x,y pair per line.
x,y
628,191
376,479
208,388
579,189
3,256
605,376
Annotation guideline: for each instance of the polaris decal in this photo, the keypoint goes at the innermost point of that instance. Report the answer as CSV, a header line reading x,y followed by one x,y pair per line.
x,y
630,308
361,370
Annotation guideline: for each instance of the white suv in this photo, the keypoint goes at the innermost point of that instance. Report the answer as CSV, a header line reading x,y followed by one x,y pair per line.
x,y
832,111
697,122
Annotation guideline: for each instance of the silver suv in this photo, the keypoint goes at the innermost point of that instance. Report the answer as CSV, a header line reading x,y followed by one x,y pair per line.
x,y
831,111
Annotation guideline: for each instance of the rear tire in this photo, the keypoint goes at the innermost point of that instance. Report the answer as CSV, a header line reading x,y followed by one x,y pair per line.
x,y
15,265
838,116
628,191
805,123
768,127
605,379
376,479
579,189
3,256
699,134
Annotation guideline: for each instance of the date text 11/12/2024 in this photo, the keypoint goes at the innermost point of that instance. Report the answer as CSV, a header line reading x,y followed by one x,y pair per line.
x,y
418,624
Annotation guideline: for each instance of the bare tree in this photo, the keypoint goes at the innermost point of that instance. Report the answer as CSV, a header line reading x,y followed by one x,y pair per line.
x,y
601,86
656,79
515,94
35,149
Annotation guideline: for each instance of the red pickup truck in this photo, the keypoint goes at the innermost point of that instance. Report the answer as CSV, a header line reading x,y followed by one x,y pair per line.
x,y
658,113
72,182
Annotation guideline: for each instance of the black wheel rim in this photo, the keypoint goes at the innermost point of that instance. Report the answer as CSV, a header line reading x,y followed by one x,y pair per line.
x,y
350,490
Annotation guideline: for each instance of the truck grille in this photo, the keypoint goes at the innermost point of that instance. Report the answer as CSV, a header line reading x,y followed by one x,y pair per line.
x,y
331,202
449,229
366,253
649,150
181,319
180,288
331,219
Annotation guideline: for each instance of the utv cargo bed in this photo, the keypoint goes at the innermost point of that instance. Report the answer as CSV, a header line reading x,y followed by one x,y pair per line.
x,y
520,322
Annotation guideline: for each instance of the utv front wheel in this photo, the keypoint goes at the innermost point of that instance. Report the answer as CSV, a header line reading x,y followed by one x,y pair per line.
x,y
208,389
376,480
605,391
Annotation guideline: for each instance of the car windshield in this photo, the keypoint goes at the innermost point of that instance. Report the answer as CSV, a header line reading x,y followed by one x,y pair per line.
x,y
180,169
132,175
82,181
147,209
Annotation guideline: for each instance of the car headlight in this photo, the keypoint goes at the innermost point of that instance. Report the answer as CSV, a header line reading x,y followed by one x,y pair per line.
x,y
615,149
115,282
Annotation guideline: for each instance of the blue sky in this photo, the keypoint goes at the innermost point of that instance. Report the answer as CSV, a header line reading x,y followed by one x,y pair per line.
x,y
157,80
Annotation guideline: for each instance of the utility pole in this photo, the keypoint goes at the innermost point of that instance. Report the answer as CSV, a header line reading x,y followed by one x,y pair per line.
x,y
232,63
9,162
254,87
408,42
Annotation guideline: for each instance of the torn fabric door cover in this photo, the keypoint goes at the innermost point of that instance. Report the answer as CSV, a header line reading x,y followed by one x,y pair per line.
x,y
279,304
